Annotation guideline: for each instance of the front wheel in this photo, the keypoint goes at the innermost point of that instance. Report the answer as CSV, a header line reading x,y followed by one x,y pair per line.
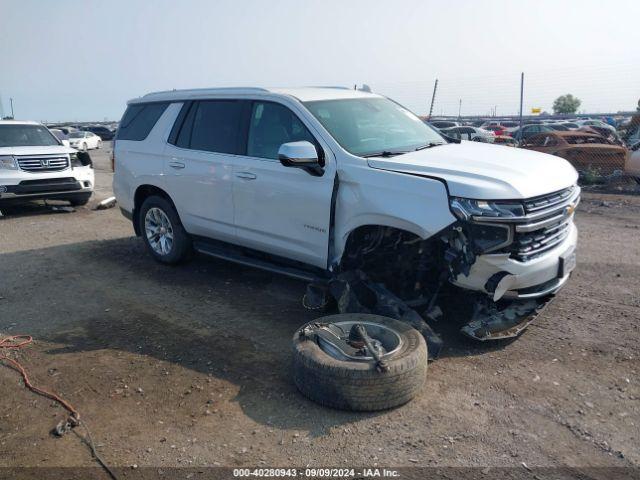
x,y
162,232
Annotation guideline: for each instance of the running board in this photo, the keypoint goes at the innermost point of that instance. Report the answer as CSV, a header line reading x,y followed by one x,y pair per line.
x,y
238,257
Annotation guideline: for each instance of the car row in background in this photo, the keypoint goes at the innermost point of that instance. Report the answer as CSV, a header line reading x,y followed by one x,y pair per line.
x,y
105,132
594,147
474,134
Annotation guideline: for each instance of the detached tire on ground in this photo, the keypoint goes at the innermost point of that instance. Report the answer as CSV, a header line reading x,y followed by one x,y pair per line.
x,y
357,385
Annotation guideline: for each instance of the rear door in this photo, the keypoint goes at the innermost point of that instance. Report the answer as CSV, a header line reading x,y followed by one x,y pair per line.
x,y
199,165
281,210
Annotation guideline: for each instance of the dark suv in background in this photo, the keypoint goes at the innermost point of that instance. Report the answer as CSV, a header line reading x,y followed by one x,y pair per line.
x,y
103,132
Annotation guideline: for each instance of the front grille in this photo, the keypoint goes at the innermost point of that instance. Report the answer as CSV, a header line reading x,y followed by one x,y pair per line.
x,y
545,201
546,224
531,244
43,163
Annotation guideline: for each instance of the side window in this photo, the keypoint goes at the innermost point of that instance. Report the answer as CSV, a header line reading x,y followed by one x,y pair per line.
x,y
216,126
139,119
183,139
270,126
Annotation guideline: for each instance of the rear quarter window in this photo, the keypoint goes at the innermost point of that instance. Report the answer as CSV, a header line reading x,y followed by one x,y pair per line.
x,y
139,119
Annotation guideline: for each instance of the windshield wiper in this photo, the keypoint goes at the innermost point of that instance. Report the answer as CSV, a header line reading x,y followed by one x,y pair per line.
x,y
384,153
429,145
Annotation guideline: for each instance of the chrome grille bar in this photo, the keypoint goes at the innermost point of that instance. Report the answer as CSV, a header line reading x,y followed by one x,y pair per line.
x,y
43,163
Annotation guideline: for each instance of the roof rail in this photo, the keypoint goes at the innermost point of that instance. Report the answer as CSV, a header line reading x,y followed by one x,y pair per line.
x,y
207,90
338,87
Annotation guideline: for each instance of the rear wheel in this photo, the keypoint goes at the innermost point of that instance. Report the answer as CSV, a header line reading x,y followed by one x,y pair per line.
x,y
162,231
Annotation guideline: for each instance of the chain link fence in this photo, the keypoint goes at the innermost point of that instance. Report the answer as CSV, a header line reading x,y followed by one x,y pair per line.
x,y
589,116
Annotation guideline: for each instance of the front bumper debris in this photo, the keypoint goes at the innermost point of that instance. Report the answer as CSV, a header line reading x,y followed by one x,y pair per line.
x,y
354,292
489,322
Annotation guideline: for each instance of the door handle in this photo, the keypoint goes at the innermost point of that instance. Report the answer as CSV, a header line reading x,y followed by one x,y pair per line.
x,y
176,164
246,175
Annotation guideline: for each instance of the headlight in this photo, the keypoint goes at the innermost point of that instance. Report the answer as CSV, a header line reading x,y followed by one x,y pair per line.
x,y
7,162
487,236
466,208
73,157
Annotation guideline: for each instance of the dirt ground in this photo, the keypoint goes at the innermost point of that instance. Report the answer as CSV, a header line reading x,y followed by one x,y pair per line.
x,y
190,365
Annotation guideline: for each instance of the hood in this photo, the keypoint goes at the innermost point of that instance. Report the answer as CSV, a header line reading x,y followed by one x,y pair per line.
x,y
51,150
485,171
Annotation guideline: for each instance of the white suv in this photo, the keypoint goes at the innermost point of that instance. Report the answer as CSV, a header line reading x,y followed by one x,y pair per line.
x,y
312,182
35,165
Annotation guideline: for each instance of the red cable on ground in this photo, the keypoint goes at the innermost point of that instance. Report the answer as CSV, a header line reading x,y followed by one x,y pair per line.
x,y
16,342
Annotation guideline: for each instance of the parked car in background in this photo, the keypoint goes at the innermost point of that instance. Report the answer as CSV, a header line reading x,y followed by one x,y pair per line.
x,y
66,130
103,132
439,124
60,135
610,135
587,152
84,141
505,140
595,123
558,127
632,167
570,125
469,133
497,129
522,134
34,165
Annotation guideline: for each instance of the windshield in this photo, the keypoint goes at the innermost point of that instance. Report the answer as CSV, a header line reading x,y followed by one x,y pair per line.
x,y
76,135
369,126
26,136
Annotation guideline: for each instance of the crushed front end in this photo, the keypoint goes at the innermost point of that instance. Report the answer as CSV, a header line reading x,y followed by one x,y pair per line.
x,y
504,260
519,253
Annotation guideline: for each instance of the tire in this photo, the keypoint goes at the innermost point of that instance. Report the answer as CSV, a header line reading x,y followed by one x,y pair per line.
x,y
80,199
358,386
180,245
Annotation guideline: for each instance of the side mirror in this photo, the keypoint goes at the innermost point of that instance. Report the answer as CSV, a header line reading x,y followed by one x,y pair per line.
x,y
301,155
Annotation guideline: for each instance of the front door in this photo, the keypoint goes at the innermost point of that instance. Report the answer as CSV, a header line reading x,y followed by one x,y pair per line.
x,y
281,210
198,166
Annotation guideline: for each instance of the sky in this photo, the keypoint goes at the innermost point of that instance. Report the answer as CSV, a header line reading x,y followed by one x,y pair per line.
x,y
81,60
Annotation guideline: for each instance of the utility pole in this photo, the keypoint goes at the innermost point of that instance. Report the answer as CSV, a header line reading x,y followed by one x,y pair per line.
x,y
11,102
433,99
521,97
459,108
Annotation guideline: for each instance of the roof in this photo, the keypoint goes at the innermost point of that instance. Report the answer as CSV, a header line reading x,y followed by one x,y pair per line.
x,y
18,122
304,94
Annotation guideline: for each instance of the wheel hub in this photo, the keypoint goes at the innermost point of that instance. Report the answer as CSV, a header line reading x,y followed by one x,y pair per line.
x,y
344,340
159,231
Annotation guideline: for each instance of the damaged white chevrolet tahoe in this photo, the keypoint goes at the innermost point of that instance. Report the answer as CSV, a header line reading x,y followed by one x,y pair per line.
x,y
35,165
353,193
